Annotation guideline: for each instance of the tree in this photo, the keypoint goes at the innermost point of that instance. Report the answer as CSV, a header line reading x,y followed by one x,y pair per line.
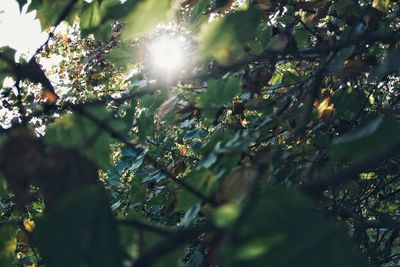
x,y
277,145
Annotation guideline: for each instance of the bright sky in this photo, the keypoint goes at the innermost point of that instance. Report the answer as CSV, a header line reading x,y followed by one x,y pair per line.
x,y
20,31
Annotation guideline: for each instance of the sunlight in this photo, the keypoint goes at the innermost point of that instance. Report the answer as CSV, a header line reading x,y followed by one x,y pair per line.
x,y
19,30
167,53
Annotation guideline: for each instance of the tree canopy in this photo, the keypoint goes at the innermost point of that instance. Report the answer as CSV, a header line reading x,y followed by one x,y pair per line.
x,y
265,133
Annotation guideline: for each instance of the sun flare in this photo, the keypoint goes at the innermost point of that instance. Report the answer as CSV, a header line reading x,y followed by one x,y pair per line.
x,y
167,53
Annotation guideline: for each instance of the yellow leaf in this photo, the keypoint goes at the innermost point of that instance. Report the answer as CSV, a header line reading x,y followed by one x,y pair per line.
x,y
227,214
182,150
382,5
244,123
29,225
325,108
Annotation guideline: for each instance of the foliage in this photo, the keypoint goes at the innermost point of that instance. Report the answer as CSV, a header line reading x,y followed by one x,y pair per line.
x,y
276,146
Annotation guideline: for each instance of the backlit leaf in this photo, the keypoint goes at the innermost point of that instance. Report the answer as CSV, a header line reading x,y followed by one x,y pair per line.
x,y
80,132
8,245
144,18
224,38
219,92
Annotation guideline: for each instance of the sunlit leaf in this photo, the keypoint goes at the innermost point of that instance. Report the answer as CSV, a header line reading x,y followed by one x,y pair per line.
x,y
83,133
29,225
325,108
123,55
90,16
227,214
155,176
224,38
381,4
143,18
7,245
49,11
191,214
197,15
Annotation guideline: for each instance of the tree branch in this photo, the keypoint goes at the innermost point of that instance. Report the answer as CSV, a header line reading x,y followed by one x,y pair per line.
x,y
144,226
346,174
168,245
104,126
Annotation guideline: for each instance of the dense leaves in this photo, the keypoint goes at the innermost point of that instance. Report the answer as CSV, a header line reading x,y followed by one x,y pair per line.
x,y
224,38
81,132
83,223
277,144
277,239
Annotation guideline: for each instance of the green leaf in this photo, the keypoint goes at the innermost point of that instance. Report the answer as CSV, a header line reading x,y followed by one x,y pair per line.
x,y
49,11
337,62
208,161
197,16
191,214
123,55
227,214
155,176
138,191
80,231
7,56
389,65
8,245
289,78
224,38
219,92
99,16
113,10
281,228
262,37
345,7
77,131
377,133
301,36
146,16
145,124
90,16
153,102
348,102
199,180
3,187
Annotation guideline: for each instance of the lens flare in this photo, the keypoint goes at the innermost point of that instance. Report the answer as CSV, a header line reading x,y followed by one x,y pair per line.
x,y
167,53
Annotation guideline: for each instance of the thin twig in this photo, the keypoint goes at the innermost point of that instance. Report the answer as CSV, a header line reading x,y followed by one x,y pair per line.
x,y
344,175
115,134
145,226
168,245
